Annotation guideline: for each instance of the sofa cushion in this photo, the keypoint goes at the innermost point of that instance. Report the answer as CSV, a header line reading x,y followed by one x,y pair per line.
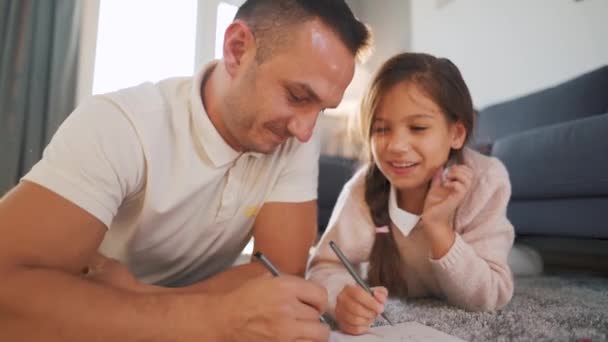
x,y
565,217
584,96
334,172
557,161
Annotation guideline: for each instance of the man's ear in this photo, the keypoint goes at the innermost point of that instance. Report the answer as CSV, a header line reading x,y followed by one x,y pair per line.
x,y
459,135
239,42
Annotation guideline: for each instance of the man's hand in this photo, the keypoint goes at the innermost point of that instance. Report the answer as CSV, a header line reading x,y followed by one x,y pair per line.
x,y
284,308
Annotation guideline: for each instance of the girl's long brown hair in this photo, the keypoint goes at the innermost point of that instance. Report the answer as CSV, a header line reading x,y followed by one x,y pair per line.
x,y
442,82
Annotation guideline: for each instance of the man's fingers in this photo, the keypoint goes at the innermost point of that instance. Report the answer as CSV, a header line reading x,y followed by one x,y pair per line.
x,y
305,312
311,331
307,292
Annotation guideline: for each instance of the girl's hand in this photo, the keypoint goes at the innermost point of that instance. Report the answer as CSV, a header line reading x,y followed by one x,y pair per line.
x,y
357,309
445,196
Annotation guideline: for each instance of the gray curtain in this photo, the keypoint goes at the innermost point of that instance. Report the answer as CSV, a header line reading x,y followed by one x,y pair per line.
x,y
38,67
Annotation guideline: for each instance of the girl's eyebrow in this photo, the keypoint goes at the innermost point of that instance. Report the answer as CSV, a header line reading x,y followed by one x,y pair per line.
x,y
409,117
421,115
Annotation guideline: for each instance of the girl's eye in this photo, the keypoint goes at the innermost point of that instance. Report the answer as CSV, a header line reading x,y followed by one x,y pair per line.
x,y
418,128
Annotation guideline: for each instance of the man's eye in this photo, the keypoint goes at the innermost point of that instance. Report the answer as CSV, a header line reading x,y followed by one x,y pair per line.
x,y
379,130
296,99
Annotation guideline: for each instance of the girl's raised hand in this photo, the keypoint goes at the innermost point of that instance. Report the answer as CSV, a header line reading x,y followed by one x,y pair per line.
x,y
356,309
445,194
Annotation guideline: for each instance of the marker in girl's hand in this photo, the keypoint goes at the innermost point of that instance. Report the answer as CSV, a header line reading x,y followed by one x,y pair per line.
x,y
446,170
444,174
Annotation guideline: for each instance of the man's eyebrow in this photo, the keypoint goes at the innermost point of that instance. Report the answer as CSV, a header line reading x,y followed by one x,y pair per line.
x,y
308,90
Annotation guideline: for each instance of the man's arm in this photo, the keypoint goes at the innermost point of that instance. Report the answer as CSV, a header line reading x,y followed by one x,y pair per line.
x,y
284,232
46,241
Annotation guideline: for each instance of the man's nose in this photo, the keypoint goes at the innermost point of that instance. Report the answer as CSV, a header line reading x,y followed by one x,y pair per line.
x,y
302,125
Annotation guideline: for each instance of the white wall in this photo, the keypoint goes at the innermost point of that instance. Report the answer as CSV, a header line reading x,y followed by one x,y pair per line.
x,y
512,47
390,24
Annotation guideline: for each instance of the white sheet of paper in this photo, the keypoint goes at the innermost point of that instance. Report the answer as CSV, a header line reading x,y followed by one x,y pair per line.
x,y
402,332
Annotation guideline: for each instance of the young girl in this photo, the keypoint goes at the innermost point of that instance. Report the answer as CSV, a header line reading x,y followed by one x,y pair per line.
x,y
427,213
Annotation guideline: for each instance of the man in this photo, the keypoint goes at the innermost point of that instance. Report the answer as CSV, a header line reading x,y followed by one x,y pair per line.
x,y
172,180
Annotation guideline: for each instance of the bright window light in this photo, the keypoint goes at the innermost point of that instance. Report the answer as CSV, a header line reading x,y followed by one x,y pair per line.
x,y
225,15
143,40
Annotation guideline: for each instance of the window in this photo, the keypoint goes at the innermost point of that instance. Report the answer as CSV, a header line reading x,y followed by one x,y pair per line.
x,y
143,40
225,15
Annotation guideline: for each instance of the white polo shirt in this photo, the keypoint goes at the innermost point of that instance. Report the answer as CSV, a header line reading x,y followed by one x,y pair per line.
x,y
179,202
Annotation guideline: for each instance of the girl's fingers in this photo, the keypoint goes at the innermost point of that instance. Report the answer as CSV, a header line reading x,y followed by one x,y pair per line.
x,y
460,174
345,314
458,187
353,308
357,307
437,179
380,294
356,320
353,329
360,296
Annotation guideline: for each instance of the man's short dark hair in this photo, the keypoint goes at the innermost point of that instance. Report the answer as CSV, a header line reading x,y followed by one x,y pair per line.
x,y
270,20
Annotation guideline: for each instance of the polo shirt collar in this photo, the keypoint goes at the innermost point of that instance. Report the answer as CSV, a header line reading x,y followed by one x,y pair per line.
x,y
216,148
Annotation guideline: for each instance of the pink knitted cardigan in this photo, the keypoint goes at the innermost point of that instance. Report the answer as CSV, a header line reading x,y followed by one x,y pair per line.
x,y
473,274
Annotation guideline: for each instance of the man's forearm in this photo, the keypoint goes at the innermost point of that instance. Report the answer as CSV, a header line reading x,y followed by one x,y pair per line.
x,y
228,280
48,305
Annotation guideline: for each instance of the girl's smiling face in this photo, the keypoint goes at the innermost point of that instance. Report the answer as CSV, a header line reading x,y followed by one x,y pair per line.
x,y
411,137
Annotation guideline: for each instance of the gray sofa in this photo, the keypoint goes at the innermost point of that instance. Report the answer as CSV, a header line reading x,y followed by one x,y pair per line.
x,y
554,143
